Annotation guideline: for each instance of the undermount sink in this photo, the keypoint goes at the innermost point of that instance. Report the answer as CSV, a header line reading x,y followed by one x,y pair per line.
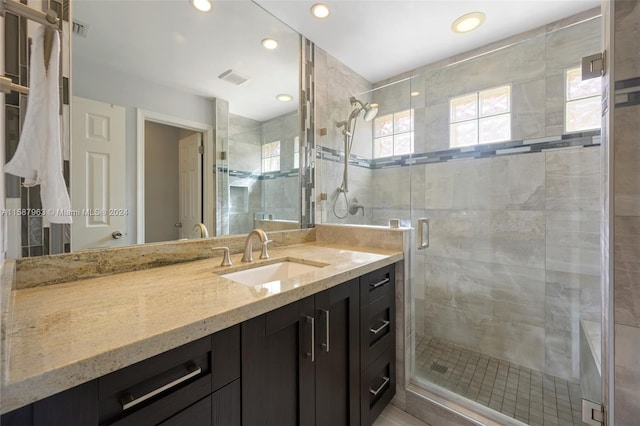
x,y
271,272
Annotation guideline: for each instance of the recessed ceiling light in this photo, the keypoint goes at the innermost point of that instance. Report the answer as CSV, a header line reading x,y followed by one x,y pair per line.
x,y
468,22
269,43
202,5
414,94
283,97
320,10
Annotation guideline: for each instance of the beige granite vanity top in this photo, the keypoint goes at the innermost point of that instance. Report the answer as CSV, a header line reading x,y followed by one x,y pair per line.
x,y
62,335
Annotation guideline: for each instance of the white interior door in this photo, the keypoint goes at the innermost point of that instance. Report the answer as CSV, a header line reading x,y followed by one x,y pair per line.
x,y
190,185
98,175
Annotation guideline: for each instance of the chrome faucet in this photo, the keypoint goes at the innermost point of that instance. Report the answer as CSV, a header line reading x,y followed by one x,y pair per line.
x,y
203,230
248,245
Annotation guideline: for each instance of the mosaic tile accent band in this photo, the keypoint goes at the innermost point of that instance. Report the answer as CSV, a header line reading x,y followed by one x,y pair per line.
x,y
262,176
584,139
627,92
38,238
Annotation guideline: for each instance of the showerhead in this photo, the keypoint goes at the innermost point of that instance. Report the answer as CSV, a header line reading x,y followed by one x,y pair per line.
x,y
370,111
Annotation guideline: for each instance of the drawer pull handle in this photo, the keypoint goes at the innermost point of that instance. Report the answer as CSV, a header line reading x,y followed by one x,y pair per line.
x,y
128,401
384,325
373,286
312,355
327,327
375,392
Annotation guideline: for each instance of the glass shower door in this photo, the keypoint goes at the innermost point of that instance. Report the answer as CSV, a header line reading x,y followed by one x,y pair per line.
x,y
505,258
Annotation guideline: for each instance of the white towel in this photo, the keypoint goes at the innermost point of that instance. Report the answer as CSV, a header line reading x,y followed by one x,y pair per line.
x,y
38,158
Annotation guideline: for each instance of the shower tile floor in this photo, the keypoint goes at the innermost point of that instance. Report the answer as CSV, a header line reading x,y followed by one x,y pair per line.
x,y
527,395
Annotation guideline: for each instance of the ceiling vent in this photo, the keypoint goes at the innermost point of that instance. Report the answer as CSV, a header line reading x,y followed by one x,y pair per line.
x,y
233,77
80,28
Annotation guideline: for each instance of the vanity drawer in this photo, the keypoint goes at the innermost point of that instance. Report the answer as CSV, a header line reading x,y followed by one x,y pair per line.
x,y
378,386
377,328
154,389
376,283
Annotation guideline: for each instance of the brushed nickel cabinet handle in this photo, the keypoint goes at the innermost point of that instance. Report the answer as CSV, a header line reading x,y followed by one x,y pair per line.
x,y
312,354
128,401
384,325
325,345
373,286
377,391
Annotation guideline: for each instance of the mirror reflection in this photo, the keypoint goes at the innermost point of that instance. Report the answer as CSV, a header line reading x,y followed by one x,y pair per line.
x,y
190,127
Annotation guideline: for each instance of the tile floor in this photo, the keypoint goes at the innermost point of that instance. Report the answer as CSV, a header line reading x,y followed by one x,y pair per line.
x,y
393,416
529,396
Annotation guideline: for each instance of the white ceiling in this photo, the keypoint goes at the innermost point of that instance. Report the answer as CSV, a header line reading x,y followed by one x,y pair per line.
x,y
382,38
169,42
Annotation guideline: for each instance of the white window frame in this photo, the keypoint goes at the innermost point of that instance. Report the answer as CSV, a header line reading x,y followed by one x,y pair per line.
x,y
394,134
479,118
267,159
569,100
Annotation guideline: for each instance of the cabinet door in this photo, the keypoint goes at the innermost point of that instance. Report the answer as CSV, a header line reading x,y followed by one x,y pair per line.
x,y
277,367
338,356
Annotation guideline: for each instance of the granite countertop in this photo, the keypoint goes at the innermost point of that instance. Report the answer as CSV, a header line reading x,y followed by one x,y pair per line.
x,y
59,336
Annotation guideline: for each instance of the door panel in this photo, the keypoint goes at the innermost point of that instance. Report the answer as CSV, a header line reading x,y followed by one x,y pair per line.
x,y
190,184
337,360
97,171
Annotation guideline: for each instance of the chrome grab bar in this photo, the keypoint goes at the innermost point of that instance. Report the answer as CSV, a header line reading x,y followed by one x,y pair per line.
x,y
421,225
128,401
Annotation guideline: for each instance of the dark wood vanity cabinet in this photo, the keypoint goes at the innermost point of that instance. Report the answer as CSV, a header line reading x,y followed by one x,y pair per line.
x,y
328,359
300,363
378,337
195,384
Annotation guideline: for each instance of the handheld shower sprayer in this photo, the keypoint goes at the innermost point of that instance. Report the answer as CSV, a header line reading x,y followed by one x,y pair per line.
x,y
348,133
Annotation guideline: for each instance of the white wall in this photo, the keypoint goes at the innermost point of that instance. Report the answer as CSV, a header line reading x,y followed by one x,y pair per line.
x,y
110,86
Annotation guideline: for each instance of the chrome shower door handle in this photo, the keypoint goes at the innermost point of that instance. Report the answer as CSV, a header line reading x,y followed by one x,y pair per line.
x,y
422,243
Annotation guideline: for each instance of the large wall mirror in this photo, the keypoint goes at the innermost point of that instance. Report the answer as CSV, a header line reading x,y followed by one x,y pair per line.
x,y
180,118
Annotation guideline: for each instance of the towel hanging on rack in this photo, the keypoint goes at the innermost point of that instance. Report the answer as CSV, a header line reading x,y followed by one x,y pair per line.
x,y
38,158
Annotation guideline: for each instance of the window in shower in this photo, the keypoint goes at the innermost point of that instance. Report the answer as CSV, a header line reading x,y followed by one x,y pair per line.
x,y
271,157
582,111
296,152
480,117
393,134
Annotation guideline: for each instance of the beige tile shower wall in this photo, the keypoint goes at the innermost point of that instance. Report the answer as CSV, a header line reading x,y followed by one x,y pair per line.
x,y
335,83
534,67
626,198
572,289
510,268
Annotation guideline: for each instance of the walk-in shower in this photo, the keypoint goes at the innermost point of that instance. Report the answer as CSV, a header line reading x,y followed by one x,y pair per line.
x,y
369,112
505,301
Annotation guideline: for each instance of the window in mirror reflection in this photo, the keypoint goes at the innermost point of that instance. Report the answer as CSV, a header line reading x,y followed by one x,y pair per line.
x,y
271,157
296,152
